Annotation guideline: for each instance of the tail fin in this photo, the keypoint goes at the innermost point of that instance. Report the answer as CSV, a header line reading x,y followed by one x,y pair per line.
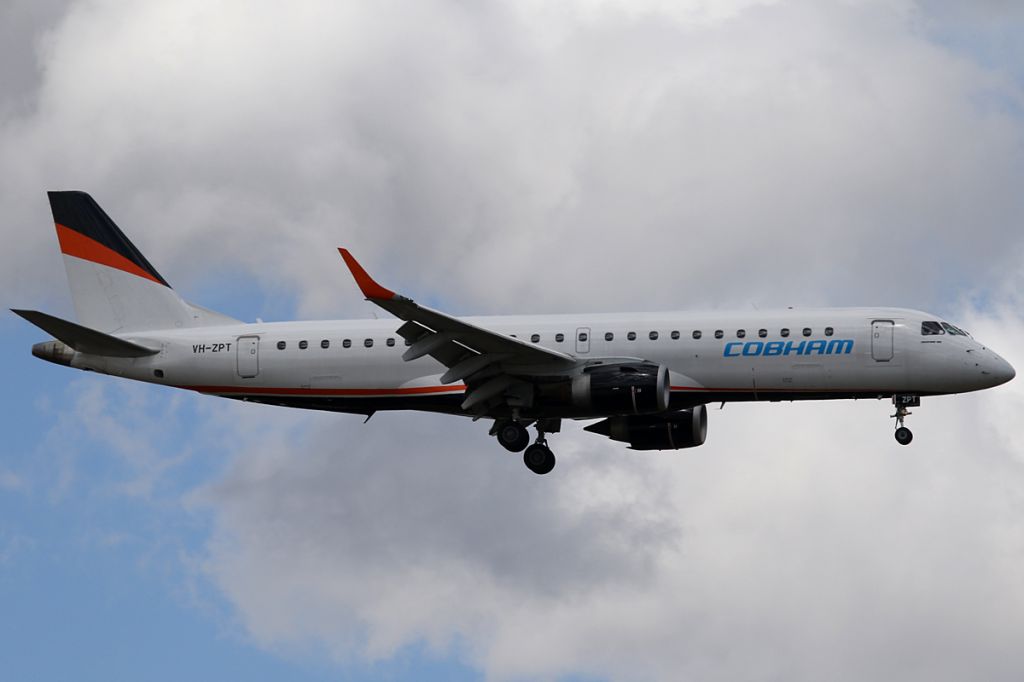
x,y
114,287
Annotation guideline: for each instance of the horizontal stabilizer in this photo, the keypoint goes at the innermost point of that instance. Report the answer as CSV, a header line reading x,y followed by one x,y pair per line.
x,y
83,339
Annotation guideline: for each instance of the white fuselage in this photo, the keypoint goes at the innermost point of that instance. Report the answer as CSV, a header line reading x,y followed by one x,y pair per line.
x,y
848,353
647,377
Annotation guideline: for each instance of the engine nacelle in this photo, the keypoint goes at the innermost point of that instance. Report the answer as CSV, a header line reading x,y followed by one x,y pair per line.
x,y
635,388
683,429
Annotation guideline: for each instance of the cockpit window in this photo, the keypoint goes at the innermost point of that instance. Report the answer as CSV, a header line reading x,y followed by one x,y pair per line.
x,y
931,328
956,331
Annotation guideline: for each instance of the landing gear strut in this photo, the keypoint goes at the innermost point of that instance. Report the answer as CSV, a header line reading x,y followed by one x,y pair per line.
x,y
902,403
538,457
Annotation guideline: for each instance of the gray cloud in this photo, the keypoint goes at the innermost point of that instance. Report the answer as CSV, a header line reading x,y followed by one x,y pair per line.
x,y
23,28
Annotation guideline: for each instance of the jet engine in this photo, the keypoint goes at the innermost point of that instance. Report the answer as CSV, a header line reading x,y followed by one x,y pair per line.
x,y
684,429
635,388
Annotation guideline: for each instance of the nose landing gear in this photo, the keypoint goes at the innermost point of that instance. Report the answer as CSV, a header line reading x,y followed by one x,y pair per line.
x,y
903,403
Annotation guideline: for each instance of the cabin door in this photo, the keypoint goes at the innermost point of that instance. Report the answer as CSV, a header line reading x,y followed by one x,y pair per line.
x,y
248,348
881,340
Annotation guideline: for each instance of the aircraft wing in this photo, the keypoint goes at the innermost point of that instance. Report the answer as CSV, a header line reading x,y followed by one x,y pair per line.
x,y
465,349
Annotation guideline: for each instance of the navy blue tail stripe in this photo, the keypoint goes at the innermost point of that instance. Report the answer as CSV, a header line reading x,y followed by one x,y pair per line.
x,y
79,212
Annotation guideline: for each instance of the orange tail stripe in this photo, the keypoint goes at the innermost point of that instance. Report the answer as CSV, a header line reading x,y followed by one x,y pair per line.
x,y
78,245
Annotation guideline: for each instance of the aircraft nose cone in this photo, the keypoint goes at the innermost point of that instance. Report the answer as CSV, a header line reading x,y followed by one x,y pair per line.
x,y
1004,371
999,371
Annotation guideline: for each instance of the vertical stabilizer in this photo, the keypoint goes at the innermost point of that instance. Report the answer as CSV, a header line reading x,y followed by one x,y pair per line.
x,y
114,287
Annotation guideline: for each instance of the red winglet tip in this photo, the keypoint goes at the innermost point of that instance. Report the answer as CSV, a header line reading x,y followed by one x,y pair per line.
x,y
366,284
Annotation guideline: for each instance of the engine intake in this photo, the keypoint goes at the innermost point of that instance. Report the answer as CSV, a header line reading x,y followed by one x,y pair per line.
x,y
639,388
683,429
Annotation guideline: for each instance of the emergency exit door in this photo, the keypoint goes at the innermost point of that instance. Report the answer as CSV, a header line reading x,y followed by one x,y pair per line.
x,y
881,340
248,349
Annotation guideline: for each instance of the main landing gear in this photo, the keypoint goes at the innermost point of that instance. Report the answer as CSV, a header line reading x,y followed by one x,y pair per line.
x,y
902,404
538,458
514,437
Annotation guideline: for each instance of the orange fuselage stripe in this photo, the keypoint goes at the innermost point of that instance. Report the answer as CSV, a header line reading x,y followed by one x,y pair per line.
x,y
424,390
78,245
263,390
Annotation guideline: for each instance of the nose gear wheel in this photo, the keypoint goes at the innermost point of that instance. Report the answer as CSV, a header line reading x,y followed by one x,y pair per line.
x,y
902,403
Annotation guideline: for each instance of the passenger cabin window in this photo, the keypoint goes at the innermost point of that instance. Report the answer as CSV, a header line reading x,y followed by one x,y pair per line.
x,y
347,343
583,336
608,336
303,345
408,342
807,331
719,333
696,333
631,336
368,343
535,338
653,336
559,338
281,345
829,331
740,333
325,344
783,332
762,333
390,342
675,335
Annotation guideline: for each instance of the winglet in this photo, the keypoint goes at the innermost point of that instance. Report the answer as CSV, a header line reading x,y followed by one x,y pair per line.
x,y
370,288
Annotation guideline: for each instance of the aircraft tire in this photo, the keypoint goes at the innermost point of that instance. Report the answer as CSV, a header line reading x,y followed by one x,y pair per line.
x,y
513,436
539,459
904,435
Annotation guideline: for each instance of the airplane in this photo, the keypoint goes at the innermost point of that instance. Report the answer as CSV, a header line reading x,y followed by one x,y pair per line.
x,y
647,377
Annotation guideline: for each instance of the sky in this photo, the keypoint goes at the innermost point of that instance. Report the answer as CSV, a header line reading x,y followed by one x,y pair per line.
x,y
515,157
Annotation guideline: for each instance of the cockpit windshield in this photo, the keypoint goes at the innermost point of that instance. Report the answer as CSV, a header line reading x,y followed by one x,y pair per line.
x,y
956,331
934,328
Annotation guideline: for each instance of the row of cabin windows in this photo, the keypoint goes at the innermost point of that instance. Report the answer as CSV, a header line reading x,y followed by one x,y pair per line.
x,y
559,338
345,343
719,333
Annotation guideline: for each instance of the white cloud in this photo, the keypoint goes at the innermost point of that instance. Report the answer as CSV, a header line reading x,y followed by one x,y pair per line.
x,y
513,147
